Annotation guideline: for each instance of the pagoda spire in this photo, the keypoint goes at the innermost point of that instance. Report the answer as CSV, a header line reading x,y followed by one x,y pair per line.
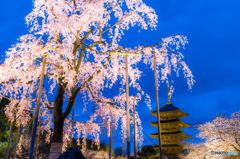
x,y
169,97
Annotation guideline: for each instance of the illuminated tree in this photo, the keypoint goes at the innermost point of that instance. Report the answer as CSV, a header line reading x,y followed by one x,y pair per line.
x,y
220,134
78,38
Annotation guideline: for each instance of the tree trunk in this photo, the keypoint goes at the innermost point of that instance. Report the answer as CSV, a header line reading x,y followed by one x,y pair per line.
x,y
56,147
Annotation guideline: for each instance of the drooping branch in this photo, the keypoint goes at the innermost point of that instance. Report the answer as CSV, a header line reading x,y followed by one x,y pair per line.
x,y
96,99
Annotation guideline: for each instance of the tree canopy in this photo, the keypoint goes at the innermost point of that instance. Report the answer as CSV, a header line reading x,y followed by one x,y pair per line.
x,y
79,39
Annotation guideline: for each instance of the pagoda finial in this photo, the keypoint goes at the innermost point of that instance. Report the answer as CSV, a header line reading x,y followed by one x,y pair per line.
x,y
169,97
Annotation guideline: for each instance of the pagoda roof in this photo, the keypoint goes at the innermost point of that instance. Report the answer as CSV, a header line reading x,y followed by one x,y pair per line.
x,y
170,112
167,121
168,107
172,125
166,133
178,134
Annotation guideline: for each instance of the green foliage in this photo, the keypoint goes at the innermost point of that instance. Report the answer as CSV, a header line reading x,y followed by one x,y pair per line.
x,y
4,123
5,130
119,152
147,151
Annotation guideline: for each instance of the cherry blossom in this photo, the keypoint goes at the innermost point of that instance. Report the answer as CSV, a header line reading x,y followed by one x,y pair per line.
x,y
220,134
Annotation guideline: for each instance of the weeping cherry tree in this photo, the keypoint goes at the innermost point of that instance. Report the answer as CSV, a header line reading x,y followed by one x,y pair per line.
x,y
78,38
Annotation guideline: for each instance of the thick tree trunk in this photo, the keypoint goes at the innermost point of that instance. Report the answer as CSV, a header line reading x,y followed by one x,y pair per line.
x,y
56,147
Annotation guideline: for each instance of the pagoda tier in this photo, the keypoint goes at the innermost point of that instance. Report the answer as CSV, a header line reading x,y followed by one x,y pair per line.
x,y
171,138
169,112
170,125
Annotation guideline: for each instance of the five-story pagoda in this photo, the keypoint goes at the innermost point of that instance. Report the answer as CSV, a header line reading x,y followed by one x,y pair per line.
x,y
170,126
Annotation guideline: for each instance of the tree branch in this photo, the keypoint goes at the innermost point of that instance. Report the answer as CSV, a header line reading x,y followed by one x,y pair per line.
x,y
99,101
70,104
82,51
117,22
50,108
75,5
91,30
80,60
71,100
230,144
11,80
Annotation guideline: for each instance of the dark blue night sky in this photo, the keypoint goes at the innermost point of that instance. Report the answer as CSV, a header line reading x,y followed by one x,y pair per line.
x,y
212,27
